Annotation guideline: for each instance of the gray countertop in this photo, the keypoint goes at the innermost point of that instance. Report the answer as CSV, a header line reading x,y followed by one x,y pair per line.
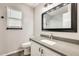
x,y
61,47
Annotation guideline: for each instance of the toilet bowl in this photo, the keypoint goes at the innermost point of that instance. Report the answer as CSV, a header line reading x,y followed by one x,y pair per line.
x,y
26,47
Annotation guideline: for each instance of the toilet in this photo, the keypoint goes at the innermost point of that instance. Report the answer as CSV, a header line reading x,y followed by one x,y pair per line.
x,y
26,47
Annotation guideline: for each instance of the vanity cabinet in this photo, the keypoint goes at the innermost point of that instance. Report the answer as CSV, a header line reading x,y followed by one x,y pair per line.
x,y
35,49
39,50
47,52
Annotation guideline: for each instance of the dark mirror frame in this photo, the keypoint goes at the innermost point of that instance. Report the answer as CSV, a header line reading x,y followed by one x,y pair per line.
x,y
73,21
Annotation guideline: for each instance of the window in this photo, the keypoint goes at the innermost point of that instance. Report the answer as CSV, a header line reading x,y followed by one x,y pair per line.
x,y
14,19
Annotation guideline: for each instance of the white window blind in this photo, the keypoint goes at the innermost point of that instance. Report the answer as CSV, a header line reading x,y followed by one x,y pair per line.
x,y
14,18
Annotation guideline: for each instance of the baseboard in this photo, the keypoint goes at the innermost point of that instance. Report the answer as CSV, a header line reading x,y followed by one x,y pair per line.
x,y
10,53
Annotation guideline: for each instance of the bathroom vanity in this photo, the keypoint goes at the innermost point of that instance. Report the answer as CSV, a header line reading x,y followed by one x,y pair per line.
x,y
41,47
39,50
61,18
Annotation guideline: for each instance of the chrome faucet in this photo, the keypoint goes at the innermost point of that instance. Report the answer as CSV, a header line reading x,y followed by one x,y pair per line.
x,y
51,36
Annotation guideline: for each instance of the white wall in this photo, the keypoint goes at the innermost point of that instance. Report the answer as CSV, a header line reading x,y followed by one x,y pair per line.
x,y
37,25
10,40
2,29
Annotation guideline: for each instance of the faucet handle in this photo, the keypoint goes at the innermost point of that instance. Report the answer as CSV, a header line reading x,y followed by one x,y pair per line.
x,y
51,36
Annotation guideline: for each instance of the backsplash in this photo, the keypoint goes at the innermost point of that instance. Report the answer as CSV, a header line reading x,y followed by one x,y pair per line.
x,y
62,39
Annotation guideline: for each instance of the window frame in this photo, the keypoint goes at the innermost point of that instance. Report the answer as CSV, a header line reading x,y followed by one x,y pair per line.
x,y
14,27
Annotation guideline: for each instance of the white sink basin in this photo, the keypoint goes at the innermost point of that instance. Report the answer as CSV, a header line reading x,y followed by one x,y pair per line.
x,y
48,42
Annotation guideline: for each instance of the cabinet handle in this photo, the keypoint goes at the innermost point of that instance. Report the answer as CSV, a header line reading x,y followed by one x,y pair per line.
x,y
42,52
39,49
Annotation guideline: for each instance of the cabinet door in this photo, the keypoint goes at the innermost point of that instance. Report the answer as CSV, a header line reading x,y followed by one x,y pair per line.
x,y
35,49
48,52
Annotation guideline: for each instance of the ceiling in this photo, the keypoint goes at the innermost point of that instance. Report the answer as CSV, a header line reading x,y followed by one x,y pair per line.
x,y
33,5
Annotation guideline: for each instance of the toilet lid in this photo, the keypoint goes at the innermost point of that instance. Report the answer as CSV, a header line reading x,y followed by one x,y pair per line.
x,y
27,44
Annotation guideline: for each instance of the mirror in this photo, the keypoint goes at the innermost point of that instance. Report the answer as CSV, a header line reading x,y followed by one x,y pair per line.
x,y
61,18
